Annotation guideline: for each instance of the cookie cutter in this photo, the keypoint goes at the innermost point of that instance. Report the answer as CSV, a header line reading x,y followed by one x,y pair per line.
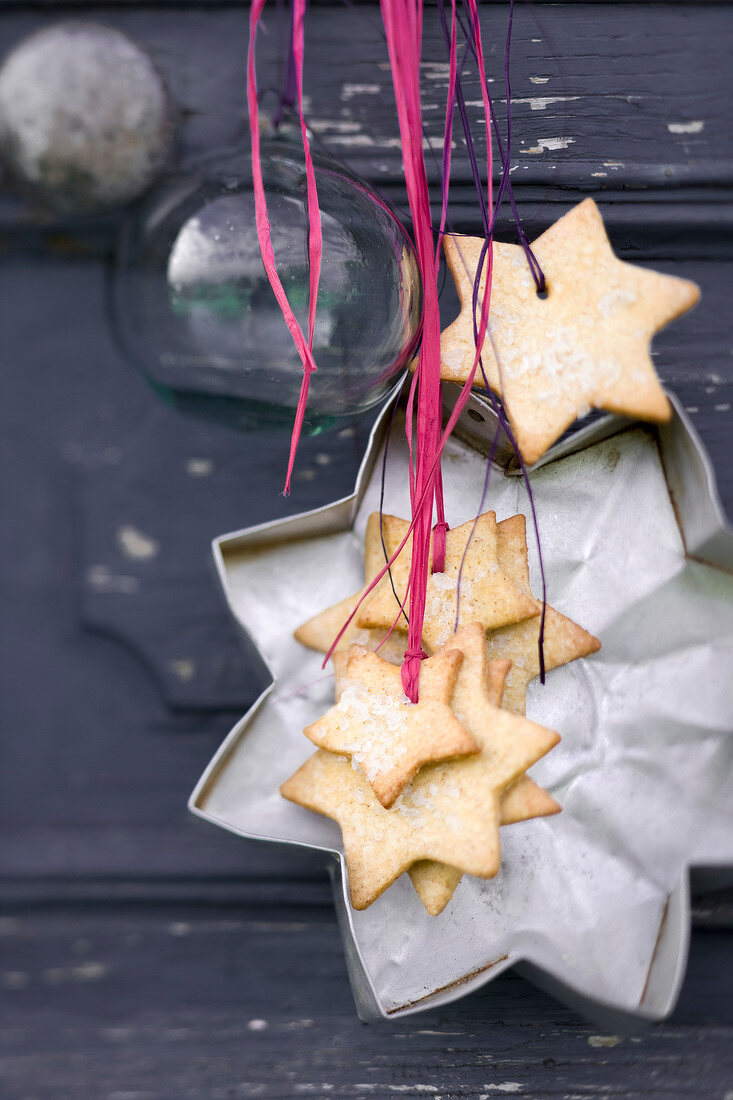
x,y
479,426
227,781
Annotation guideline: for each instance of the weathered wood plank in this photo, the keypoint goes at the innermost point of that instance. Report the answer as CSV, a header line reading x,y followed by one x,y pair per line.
x,y
266,882
146,956
180,1004
602,102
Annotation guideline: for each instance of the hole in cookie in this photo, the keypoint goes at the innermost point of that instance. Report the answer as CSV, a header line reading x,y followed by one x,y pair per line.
x,y
476,416
543,293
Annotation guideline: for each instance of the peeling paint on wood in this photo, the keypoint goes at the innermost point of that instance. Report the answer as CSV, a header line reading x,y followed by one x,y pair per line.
x,y
136,545
268,1012
686,127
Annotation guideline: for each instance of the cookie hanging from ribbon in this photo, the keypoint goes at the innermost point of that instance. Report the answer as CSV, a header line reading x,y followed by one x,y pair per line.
x,y
564,640
447,818
389,738
583,344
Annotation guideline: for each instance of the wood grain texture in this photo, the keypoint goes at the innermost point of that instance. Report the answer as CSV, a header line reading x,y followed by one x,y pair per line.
x,y
185,1005
655,124
94,758
145,955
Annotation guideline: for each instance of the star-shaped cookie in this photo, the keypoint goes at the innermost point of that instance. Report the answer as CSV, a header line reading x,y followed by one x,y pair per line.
x,y
509,746
524,799
447,814
586,345
487,594
564,640
381,731
380,844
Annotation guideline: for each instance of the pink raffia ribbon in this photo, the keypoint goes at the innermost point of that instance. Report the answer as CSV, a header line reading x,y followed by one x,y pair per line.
x,y
315,242
403,21
441,527
403,26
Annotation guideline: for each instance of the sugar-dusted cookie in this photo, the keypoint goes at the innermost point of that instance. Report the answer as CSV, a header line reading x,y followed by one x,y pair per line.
x,y
564,640
524,799
509,746
448,814
380,844
380,730
586,345
487,594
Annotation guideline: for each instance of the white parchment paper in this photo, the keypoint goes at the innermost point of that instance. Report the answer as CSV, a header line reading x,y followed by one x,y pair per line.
x,y
645,768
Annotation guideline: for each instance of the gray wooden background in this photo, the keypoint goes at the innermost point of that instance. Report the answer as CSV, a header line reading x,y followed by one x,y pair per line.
x,y
144,955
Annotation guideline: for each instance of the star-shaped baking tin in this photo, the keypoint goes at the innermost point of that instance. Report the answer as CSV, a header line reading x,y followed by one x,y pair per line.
x,y
592,904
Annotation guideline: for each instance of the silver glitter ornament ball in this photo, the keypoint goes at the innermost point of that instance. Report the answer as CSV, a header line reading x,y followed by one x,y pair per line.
x,y
85,118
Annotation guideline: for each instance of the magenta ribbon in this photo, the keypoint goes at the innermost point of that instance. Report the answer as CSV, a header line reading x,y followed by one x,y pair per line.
x,y
315,240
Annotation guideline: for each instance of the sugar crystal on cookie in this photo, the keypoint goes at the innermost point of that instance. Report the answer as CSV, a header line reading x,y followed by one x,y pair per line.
x,y
389,737
585,345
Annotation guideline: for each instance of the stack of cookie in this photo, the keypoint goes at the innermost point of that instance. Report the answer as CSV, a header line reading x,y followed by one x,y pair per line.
x,y
424,787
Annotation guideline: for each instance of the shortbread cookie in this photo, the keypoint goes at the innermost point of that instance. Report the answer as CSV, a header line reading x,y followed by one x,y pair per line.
x,y
564,640
447,814
524,799
380,730
509,746
380,844
487,594
586,345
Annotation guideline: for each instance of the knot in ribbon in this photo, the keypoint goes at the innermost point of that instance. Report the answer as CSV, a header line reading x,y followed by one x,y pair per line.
x,y
410,672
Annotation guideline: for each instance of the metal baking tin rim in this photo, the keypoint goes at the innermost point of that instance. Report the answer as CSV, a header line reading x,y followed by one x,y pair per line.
x,y
707,536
